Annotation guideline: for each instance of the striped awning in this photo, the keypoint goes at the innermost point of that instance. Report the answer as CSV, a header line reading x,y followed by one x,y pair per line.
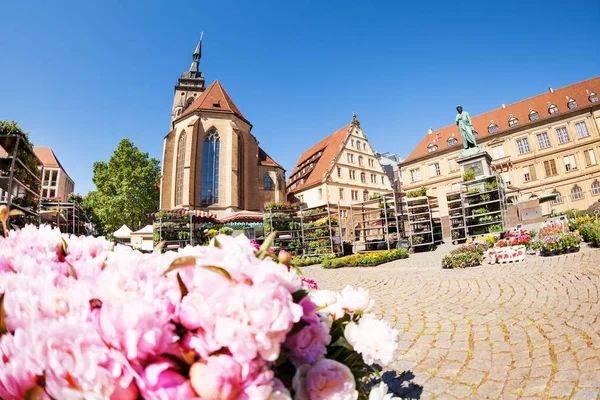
x,y
197,215
242,216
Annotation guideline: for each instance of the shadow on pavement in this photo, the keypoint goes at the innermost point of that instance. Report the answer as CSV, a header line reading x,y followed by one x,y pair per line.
x,y
401,384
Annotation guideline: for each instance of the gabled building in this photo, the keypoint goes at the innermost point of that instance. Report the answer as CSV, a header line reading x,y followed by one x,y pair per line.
x,y
211,161
342,168
56,183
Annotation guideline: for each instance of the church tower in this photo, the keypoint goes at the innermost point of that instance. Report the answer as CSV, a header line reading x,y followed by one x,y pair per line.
x,y
190,85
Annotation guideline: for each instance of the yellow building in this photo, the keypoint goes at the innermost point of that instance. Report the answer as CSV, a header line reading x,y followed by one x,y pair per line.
x,y
545,147
210,160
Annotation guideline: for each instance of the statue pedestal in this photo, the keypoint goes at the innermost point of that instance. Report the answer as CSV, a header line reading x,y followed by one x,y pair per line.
x,y
476,160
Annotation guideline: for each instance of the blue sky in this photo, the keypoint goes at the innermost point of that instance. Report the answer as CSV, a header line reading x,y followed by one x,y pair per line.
x,y
80,75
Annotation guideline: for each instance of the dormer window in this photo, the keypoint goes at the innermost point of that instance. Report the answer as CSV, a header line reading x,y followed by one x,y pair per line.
x,y
431,148
513,121
533,115
552,109
452,142
572,103
217,104
492,128
593,97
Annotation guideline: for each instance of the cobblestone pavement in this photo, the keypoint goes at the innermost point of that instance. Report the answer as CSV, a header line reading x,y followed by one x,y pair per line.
x,y
513,331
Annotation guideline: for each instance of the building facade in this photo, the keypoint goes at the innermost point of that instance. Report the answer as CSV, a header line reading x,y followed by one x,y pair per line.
x,y
211,161
391,165
56,183
545,147
341,169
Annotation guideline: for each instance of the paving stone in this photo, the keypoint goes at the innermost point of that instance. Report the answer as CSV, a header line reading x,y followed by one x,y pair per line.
x,y
508,326
490,389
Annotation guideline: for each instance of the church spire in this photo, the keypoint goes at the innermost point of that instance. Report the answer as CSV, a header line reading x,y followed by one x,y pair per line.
x,y
196,58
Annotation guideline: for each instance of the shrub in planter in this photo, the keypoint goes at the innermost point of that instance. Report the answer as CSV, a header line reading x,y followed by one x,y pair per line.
x,y
415,239
417,192
469,176
491,185
473,191
462,260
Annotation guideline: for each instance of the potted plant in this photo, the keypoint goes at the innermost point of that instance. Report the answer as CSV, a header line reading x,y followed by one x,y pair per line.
x,y
469,175
485,197
415,240
491,185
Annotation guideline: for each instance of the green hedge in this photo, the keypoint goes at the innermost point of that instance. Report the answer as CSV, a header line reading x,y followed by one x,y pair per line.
x,y
366,259
306,261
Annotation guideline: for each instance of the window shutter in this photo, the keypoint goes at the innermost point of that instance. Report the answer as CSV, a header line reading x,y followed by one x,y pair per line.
x,y
532,172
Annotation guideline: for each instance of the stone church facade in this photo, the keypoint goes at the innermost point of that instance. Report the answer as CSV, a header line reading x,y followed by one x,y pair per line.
x,y
211,160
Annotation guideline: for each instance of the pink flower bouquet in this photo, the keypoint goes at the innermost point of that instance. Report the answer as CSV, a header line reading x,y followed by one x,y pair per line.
x,y
82,318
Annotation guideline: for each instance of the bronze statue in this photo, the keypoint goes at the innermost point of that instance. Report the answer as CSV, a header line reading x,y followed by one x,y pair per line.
x,y
463,120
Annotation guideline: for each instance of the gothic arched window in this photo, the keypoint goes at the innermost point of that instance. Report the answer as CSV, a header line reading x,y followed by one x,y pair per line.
x,y
268,182
210,168
577,193
179,169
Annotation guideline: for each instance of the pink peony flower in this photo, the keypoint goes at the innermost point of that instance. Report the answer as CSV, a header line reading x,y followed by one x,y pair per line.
x,y
67,358
309,283
327,379
162,380
310,344
217,377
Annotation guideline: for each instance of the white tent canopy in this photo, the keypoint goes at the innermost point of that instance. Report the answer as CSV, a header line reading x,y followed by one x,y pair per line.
x,y
122,233
147,230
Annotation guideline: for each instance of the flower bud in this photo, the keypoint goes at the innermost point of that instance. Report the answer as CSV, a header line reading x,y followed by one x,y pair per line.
x,y
285,257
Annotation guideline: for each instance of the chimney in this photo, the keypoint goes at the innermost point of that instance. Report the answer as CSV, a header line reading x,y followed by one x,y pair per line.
x,y
503,105
551,90
429,131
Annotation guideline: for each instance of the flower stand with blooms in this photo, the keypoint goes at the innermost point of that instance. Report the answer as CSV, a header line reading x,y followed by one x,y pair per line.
x,y
83,318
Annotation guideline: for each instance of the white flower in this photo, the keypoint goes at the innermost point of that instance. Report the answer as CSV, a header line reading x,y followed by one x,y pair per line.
x,y
380,392
323,298
355,300
279,391
373,338
335,310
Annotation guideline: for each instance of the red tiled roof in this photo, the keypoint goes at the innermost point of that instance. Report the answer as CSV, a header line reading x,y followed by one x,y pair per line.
x,y
266,160
519,110
46,156
215,98
330,147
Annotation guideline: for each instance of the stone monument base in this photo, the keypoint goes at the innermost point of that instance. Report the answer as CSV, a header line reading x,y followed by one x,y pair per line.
x,y
476,160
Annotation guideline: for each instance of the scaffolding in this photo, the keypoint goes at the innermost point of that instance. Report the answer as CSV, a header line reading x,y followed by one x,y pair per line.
x,y
20,179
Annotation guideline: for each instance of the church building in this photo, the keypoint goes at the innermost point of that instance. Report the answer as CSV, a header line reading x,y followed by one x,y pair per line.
x,y
211,161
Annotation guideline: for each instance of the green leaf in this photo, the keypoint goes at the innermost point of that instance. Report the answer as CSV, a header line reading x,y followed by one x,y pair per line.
x,y
158,248
267,244
14,212
342,342
181,262
184,291
3,329
34,393
65,245
218,270
299,295
216,243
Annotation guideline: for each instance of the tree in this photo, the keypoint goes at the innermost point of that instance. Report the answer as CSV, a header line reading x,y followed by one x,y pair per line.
x,y
127,189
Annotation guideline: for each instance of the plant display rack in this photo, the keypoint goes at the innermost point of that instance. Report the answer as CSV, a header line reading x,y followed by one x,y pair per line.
x,y
68,217
321,231
20,178
288,224
382,223
456,215
424,227
175,230
307,232
484,203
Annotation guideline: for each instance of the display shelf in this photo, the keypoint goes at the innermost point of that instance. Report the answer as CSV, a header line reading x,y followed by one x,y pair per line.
x,y
377,223
67,216
421,212
491,185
